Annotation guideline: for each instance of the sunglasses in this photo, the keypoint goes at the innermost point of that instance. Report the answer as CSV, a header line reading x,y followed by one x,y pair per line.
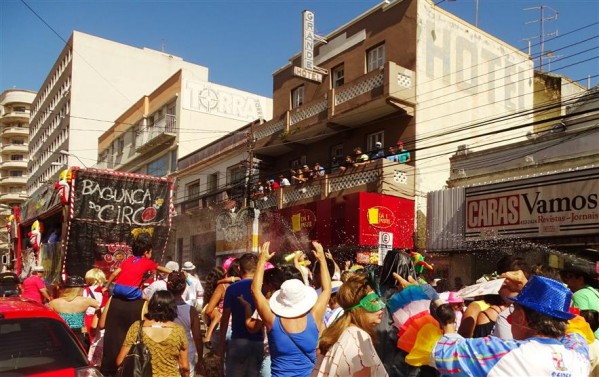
x,y
371,303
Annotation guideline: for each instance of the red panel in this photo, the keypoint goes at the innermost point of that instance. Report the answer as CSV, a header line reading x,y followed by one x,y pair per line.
x,y
340,221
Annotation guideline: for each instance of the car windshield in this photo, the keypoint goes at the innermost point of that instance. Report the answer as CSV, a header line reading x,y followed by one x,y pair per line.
x,y
35,345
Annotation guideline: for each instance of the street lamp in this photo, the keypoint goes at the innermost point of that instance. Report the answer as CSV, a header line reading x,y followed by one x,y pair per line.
x,y
67,153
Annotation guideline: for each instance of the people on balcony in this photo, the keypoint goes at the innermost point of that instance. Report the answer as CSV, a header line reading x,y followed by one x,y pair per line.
x,y
399,154
318,171
346,164
378,152
361,158
283,181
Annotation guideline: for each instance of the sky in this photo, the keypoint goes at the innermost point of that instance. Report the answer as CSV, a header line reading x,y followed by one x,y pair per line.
x,y
244,42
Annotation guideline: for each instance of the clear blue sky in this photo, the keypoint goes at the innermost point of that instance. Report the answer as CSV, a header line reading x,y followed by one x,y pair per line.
x,y
244,42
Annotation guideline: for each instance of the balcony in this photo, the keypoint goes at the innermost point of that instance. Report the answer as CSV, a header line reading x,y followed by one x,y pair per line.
x,y
163,131
379,176
17,115
13,180
372,96
15,131
15,148
13,197
18,164
212,200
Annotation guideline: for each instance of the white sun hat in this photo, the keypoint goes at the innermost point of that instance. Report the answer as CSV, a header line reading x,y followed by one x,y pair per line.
x,y
172,265
293,299
187,266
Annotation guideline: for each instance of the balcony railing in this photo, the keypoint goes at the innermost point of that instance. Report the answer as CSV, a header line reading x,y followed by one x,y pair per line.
x,y
373,95
380,176
15,131
20,164
163,130
214,199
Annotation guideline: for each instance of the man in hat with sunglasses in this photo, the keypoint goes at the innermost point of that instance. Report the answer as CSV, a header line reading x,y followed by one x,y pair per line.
x,y
548,340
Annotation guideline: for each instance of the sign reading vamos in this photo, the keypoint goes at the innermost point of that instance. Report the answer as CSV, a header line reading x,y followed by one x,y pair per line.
x,y
556,206
109,209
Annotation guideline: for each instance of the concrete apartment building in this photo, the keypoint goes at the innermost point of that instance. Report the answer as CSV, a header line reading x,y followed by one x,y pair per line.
x,y
92,82
15,106
403,70
178,117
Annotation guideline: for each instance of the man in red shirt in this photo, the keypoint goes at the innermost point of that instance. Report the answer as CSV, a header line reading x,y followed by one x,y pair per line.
x,y
34,287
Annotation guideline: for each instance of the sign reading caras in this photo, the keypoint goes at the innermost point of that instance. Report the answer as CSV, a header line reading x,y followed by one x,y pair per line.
x,y
555,206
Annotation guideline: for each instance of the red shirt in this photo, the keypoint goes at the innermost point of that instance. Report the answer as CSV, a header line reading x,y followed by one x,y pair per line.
x,y
31,288
133,270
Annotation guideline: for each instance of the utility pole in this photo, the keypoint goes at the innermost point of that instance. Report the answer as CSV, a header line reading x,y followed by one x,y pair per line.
x,y
542,35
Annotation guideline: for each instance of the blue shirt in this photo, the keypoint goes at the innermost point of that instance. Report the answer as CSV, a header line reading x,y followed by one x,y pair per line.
x,y
238,329
287,359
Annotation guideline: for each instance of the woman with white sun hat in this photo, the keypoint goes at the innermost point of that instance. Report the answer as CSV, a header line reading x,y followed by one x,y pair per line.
x,y
293,317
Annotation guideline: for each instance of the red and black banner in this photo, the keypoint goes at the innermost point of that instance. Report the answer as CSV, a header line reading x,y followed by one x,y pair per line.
x,y
108,209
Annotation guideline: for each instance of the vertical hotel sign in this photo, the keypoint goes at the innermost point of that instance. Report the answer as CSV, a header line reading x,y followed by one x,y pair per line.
x,y
308,70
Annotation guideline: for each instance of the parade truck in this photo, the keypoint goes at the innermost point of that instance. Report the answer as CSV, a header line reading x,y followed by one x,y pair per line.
x,y
89,219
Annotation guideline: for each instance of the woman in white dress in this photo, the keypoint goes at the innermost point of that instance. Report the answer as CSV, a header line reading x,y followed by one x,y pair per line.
x,y
347,344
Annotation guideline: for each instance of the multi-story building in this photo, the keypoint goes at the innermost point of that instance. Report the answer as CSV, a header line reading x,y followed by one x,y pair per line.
x,y
181,115
15,107
536,197
92,82
404,70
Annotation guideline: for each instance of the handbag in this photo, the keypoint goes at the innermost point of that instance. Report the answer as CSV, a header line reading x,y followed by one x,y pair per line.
x,y
138,362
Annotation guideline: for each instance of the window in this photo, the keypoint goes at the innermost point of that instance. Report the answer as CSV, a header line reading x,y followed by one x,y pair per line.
x,y
371,140
18,141
16,157
297,97
120,145
337,76
16,173
159,168
193,190
235,174
173,160
375,58
19,109
337,153
212,182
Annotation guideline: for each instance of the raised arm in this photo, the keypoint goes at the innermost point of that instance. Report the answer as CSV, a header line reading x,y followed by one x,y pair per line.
x,y
320,307
262,305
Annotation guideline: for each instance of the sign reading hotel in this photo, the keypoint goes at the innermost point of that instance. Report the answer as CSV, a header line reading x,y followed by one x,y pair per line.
x,y
308,70
555,207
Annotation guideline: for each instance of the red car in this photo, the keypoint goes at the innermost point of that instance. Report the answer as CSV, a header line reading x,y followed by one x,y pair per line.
x,y
35,341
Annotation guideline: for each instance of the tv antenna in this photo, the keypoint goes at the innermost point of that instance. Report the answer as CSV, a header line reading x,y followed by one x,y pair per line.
x,y
552,16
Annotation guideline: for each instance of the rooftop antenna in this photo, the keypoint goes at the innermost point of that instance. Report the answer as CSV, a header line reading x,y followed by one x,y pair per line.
x,y
162,46
542,35
550,56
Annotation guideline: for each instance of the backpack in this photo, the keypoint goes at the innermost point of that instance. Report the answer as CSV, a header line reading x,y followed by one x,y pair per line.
x,y
138,362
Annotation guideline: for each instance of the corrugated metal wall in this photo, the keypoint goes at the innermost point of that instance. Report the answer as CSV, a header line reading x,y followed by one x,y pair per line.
x,y
445,219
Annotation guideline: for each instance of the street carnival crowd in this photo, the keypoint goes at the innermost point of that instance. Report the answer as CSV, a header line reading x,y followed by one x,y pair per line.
x,y
307,316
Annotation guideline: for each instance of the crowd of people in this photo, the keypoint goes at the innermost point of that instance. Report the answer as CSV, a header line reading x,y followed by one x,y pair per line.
x,y
305,174
307,316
